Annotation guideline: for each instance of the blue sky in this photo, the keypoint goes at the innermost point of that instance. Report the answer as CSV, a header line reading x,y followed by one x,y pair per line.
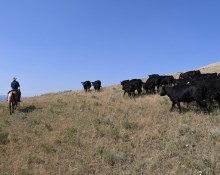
x,y
53,45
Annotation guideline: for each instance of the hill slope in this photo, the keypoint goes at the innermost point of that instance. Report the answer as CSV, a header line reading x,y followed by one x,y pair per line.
x,y
211,68
74,132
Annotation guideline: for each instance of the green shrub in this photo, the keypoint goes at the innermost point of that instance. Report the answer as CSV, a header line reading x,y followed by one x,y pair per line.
x,y
129,125
27,159
33,122
69,136
4,137
23,172
48,126
115,133
108,157
2,150
48,148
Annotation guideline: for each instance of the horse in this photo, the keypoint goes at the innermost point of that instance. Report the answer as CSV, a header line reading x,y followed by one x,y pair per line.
x,y
12,101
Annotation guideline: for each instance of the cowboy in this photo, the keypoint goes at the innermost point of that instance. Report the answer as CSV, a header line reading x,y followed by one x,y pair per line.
x,y
15,86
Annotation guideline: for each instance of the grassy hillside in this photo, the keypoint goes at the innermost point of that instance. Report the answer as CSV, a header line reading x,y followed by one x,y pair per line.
x,y
104,133
212,68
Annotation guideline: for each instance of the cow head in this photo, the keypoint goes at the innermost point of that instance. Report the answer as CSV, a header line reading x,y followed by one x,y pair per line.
x,y
181,76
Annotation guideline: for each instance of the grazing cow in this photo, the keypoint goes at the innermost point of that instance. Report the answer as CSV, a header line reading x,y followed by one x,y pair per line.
x,y
97,85
137,84
185,93
166,80
131,86
123,83
149,86
189,74
154,80
212,89
208,76
86,85
160,80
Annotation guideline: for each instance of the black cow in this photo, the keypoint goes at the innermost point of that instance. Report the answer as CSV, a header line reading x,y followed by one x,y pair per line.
x,y
153,75
185,93
207,76
160,80
131,86
137,84
86,85
123,83
189,74
180,81
149,86
166,80
97,85
212,88
155,80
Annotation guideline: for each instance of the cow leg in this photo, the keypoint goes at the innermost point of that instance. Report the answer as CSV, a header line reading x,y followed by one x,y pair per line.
x,y
133,93
146,90
210,104
158,88
219,104
202,104
139,91
124,93
173,105
187,105
179,107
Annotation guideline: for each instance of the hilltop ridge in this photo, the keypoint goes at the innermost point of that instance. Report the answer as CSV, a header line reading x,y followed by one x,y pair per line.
x,y
215,67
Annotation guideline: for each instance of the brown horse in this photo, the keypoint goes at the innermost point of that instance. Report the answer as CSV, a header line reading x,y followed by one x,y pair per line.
x,y
12,101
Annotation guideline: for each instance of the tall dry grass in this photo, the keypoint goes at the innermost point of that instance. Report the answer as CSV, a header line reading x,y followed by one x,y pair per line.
x,y
74,132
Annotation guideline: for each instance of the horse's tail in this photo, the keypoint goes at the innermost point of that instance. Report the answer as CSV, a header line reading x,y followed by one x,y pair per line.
x,y
10,99
11,102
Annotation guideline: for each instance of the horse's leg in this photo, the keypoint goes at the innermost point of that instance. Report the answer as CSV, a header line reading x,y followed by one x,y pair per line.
x,y
13,107
10,107
15,104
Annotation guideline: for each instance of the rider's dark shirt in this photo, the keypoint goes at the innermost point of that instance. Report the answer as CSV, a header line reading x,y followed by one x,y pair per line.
x,y
15,85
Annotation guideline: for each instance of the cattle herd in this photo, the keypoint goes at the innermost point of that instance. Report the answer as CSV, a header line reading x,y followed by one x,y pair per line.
x,y
191,86
87,85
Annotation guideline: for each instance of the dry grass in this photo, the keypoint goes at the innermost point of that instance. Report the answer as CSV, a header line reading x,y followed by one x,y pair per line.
x,y
73,132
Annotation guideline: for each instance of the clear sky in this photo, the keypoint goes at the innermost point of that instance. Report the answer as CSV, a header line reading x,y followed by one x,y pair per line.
x,y
53,45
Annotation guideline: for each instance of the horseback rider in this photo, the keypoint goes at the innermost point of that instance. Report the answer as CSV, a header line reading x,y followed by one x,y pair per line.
x,y
15,86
